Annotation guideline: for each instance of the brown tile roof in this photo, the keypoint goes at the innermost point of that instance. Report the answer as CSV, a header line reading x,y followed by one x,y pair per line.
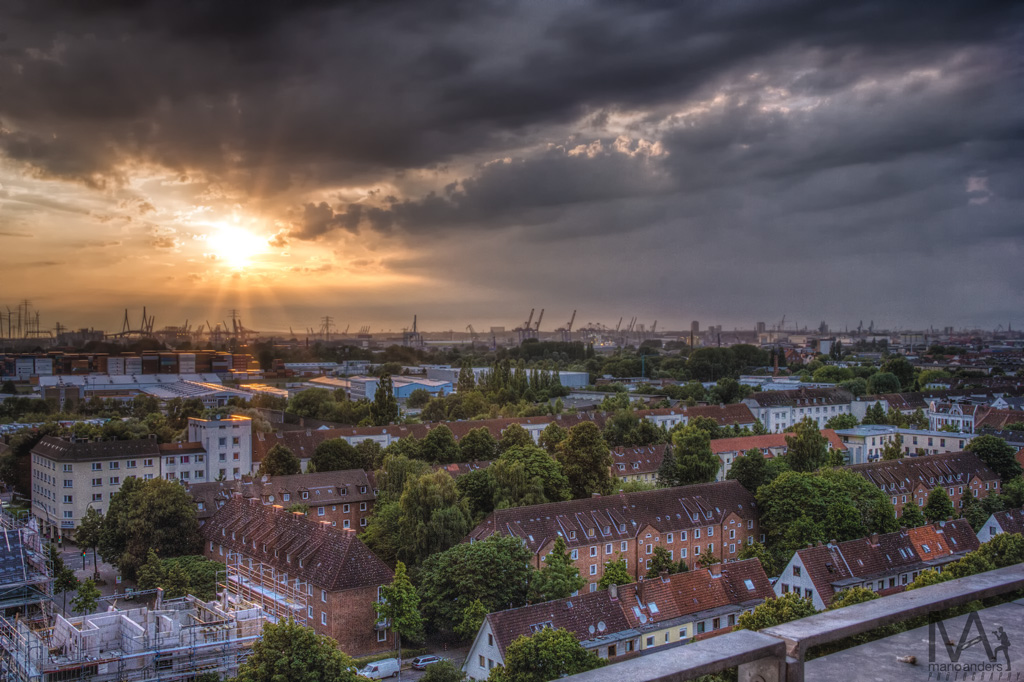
x,y
66,450
724,415
801,396
991,418
768,441
1011,520
646,459
620,516
327,557
930,470
575,614
327,487
695,591
182,448
888,555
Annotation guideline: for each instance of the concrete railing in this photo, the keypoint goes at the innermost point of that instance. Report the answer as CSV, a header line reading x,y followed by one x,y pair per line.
x,y
777,654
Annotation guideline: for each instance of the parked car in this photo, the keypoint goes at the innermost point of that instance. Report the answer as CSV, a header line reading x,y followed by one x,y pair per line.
x,y
421,662
378,670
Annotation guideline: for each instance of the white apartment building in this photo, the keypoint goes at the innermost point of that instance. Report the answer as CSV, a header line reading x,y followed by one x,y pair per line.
x,y
68,477
227,441
778,410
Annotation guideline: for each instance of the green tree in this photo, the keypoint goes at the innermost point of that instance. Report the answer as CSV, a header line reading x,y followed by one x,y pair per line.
x,y
900,368
527,475
433,517
64,579
841,421
495,571
615,573
472,618
558,577
938,506
667,473
708,559
750,469
384,409
477,488
806,449
912,516
467,379
776,611
87,535
178,576
997,454
439,446
695,462
280,461
586,461
883,382
157,514
478,445
974,512
705,424
551,437
918,420
892,449
661,561
799,508
87,597
336,454
289,652
399,609
771,563
418,398
874,415
546,655
858,386
396,471
381,532
514,436
443,671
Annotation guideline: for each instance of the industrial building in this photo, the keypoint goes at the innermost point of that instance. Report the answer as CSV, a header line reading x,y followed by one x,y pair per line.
x,y
448,373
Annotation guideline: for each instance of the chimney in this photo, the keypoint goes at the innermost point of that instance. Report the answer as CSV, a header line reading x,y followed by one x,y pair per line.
x,y
873,539
159,599
613,591
715,570
641,590
595,494
664,576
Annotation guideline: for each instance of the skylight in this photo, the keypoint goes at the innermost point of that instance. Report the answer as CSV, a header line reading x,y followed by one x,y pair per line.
x,y
749,584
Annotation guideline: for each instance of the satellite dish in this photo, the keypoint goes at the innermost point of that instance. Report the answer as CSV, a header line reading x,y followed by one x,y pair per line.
x,y
601,627
643,618
591,629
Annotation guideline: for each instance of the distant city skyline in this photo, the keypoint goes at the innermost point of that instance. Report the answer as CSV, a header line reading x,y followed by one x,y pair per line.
x,y
726,162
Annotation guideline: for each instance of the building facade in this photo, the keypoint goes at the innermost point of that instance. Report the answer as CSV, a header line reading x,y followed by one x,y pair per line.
x,y
778,410
227,441
687,521
275,552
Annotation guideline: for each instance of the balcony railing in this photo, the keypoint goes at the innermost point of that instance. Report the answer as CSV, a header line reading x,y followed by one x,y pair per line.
x,y
777,654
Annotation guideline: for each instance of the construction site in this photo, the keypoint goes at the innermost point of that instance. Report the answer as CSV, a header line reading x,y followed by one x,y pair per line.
x,y
174,639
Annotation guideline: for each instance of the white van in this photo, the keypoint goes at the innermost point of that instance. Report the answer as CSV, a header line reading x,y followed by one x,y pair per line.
x,y
378,670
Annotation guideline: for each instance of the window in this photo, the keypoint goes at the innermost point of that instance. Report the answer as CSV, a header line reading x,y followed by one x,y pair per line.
x,y
147,462
593,587
67,499
649,548
593,569
696,533
650,640
345,508
115,480
97,466
323,618
575,554
483,662
68,515
67,468
796,571
319,511
682,553
184,459
608,548
809,594
69,483
222,442
490,639
732,533
362,522
711,531
97,497
345,523
682,633
236,440
362,506
623,545
305,495
593,551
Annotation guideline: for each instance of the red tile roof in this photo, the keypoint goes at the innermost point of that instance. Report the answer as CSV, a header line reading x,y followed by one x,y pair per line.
x,y
325,487
724,415
628,461
930,470
1011,520
768,441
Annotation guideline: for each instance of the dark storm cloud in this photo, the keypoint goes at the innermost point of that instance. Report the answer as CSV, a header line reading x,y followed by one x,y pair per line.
x,y
774,131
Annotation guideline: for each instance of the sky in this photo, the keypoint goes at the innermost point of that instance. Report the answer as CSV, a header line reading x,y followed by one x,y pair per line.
x,y
728,162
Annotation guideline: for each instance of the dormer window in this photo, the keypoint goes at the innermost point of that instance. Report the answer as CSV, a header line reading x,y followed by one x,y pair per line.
x,y
572,535
590,532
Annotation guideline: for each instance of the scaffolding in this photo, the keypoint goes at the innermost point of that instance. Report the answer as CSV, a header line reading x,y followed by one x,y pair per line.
x,y
176,640
280,595
26,576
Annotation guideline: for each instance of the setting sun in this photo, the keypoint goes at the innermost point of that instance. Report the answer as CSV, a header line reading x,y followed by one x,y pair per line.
x,y
233,245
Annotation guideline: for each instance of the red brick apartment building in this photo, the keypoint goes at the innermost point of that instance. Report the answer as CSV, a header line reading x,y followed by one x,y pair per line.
x,y
322,575
344,499
910,479
710,517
